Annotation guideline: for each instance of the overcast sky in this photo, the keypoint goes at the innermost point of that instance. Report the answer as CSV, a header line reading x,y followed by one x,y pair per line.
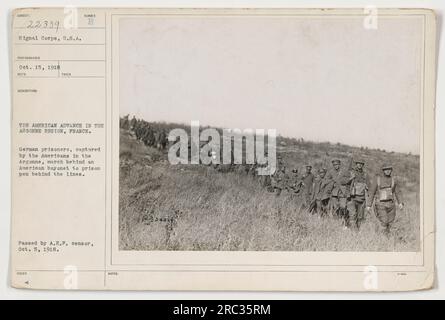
x,y
320,79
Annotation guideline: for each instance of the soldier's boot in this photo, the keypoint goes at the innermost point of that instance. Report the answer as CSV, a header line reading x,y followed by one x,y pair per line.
x,y
340,213
352,216
360,220
358,223
320,210
346,219
361,214
324,211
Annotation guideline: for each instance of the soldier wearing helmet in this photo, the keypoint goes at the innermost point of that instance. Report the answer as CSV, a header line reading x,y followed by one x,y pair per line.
x,y
294,181
385,193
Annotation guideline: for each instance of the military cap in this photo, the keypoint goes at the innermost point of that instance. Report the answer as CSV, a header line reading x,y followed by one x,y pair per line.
x,y
336,161
321,170
386,166
308,166
359,161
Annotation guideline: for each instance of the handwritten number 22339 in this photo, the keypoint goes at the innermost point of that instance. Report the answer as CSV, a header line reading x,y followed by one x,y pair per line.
x,y
43,24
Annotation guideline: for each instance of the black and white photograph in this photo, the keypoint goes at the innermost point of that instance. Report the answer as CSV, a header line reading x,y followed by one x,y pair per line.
x,y
270,133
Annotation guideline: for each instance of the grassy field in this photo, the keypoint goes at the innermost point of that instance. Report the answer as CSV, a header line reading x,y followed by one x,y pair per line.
x,y
195,207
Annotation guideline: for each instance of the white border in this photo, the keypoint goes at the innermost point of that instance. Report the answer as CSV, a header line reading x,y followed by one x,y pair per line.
x,y
9,293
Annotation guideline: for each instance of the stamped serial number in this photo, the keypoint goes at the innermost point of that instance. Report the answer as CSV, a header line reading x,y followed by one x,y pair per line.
x,y
241,309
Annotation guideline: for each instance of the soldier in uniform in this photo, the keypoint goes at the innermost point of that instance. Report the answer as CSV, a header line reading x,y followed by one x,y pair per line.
x,y
275,179
156,135
278,180
322,192
358,192
147,135
386,192
139,129
264,180
307,185
340,190
144,133
286,180
163,139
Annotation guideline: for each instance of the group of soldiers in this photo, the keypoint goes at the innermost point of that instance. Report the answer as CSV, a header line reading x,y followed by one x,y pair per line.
x,y
345,194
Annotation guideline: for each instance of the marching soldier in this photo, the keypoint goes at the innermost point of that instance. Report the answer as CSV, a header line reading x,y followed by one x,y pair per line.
x,y
278,180
358,192
148,135
286,180
321,193
386,192
307,185
250,169
138,130
142,131
340,190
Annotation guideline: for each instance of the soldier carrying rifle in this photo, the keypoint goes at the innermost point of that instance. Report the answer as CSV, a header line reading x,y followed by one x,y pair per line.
x,y
384,193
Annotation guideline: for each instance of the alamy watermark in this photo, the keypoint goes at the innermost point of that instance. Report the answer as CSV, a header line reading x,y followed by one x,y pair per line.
x,y
208,146
371,278
70,279
371,19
